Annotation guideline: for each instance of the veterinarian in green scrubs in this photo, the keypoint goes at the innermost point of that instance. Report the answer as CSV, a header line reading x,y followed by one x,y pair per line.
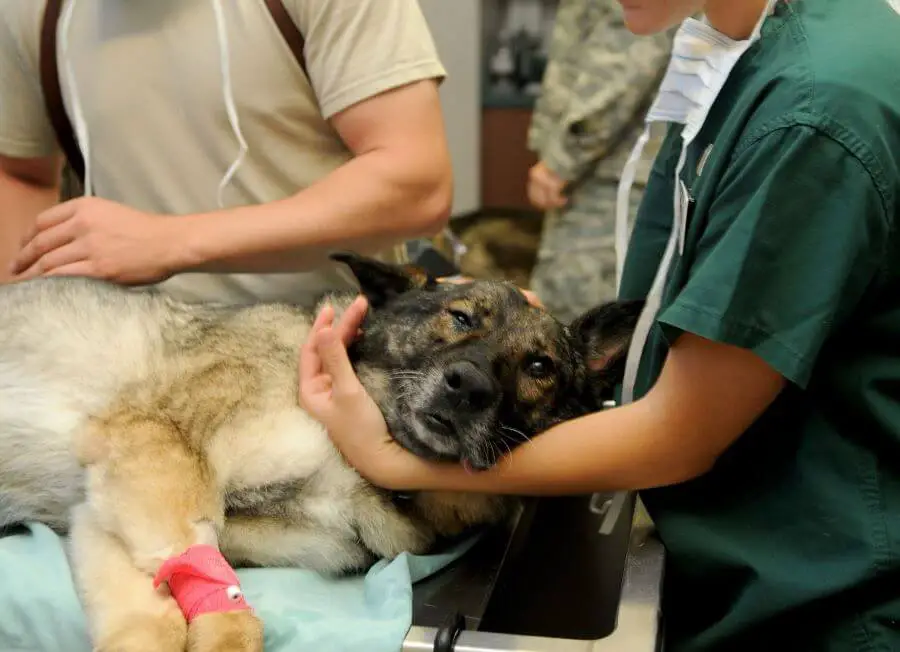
x,y
761,416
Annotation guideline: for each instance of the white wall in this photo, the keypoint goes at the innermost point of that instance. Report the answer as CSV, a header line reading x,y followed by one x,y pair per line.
x,y
456,27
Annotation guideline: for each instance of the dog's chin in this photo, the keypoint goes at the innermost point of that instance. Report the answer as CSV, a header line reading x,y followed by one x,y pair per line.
x,y
434,437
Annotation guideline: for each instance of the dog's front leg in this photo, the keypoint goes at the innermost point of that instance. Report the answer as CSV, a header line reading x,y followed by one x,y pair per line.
x,y
154,495
125,613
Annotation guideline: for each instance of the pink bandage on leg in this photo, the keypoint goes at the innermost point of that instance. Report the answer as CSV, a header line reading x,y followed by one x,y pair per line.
x,y
201,581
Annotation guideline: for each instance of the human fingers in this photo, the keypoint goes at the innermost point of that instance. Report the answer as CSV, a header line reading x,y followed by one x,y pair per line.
x,y
549,186
549,179
79,268
336,363
310,364
57,214
552,192
533,298
555,198
60,262
324,318
536,194
43,242
349,325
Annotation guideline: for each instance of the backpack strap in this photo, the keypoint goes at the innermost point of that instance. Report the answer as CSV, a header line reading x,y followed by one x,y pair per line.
x,y
289,31
49,72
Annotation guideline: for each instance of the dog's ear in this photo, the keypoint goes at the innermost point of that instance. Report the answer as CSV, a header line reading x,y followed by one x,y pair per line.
x,y
603,335
380,282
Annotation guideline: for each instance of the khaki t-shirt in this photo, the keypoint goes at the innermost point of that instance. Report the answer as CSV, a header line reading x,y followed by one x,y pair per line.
x,y
149,78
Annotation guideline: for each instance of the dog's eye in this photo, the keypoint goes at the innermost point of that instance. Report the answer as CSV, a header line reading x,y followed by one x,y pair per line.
x,y
539,366
462,319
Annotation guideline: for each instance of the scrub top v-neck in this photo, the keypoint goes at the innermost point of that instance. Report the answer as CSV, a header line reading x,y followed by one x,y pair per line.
x,y
791,251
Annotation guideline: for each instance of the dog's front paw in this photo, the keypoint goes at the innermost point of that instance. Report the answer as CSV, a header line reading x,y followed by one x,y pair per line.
x,y
146,634
232,631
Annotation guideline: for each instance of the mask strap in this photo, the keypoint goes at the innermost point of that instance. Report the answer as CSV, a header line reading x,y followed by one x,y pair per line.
x,y
80,124
770,8
681,201
675,243
230,106
654,297
623,202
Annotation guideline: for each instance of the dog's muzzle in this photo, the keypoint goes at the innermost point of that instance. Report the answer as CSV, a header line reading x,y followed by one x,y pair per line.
x,y
465,393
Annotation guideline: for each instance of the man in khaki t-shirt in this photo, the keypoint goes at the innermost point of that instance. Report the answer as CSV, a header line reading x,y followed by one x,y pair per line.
x,y
352,157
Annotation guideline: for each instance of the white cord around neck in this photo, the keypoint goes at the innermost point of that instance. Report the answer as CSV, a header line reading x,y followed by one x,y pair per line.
x,y
230,105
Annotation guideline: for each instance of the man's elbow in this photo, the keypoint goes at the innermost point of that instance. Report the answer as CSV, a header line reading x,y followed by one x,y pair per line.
x,y
425,197
418,189
433,212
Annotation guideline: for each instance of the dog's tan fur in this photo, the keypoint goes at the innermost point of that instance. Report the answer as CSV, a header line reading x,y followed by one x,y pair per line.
x,y
141,426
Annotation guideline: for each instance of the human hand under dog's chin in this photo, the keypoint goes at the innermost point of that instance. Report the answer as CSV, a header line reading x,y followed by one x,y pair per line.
x,y
331,393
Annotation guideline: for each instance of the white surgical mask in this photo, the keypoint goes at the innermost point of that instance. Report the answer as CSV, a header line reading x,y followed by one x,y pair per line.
x,y
80,125
702,59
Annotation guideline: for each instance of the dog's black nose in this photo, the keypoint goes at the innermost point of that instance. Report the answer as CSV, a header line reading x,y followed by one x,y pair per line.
x,y
466,384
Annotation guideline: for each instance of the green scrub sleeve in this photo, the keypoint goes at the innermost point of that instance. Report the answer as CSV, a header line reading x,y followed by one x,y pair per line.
x,y
795,236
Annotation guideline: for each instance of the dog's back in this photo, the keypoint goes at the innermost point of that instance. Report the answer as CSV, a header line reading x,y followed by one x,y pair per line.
x,y
67,345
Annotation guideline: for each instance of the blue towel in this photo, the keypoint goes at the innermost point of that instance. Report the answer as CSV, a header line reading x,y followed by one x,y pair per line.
x,y
301,610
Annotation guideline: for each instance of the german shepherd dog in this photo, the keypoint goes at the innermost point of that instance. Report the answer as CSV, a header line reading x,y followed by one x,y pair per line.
x,y
140,426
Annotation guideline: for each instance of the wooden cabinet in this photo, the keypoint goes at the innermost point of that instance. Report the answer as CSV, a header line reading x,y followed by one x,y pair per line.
x,y
515,45
505,158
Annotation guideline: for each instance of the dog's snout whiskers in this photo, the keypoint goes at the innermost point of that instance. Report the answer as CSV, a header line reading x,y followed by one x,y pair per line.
x,y
519,433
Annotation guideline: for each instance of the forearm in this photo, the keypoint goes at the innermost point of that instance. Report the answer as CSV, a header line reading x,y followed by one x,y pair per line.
x,y
708,394
20,204
377,199
627,448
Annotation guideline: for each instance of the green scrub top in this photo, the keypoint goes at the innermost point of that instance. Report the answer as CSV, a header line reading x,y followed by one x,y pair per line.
x,y
792,540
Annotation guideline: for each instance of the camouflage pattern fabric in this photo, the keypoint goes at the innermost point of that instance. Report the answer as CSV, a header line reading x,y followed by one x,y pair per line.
x,y
599,83
576,260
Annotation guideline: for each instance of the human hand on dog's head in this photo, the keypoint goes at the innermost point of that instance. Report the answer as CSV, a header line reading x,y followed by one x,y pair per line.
x,y
331,393
533,298
419,401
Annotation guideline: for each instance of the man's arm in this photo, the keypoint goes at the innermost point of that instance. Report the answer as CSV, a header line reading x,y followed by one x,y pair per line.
x,y
30,164
27,187
398,186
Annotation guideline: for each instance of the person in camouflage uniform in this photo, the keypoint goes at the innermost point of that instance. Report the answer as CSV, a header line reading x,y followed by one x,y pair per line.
x,y
598,85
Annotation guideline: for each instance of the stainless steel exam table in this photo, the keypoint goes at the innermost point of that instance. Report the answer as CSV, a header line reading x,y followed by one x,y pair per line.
x,y
571,575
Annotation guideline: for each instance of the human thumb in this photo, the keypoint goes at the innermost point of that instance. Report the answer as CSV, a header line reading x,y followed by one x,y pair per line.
x,y
335,362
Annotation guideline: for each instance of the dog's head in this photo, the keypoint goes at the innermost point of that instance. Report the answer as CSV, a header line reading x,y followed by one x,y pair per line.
x,y
466,372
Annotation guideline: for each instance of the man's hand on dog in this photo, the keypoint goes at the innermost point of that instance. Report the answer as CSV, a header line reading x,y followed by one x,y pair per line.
x,y
97,238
